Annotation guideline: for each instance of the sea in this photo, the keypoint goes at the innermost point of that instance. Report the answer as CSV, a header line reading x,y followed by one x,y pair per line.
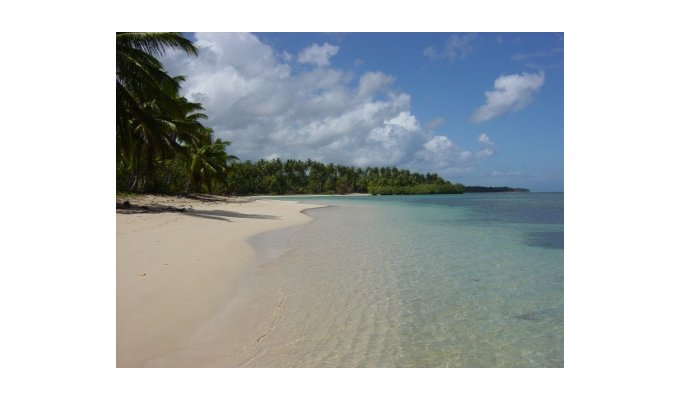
x,y
471,280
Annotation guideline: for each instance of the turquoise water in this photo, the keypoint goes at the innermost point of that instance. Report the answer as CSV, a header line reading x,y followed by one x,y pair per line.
x,y
473,280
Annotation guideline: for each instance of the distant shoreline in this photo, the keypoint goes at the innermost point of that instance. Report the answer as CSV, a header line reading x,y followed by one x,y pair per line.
x,y
306,195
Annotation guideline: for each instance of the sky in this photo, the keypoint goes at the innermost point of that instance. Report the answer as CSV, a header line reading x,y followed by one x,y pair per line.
x,y
476,108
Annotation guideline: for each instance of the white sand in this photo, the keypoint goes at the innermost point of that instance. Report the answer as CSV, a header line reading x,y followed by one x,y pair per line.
x,y
187,282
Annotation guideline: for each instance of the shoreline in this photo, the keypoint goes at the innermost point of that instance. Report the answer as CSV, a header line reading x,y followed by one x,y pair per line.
x,y
283,196
185,280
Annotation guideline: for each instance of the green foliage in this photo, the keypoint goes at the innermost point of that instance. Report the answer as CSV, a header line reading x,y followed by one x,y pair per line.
x,y
431,188
161,144
209,164
313,177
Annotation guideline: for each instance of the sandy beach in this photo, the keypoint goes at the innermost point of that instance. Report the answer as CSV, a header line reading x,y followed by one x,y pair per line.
x,y
188,290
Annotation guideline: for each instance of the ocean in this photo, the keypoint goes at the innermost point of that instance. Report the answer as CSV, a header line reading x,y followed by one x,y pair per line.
x,y
472,280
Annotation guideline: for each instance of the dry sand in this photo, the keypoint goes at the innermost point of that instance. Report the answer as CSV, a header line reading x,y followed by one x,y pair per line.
x,y
188,289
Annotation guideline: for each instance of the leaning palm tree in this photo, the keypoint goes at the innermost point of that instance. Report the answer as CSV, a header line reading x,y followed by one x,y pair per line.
x,y
140,76
151,118
139,73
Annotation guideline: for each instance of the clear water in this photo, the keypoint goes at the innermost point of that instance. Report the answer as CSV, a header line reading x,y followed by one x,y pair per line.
x,y
473,280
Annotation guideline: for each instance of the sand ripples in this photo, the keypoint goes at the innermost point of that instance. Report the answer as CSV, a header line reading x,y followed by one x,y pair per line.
x,y
387,286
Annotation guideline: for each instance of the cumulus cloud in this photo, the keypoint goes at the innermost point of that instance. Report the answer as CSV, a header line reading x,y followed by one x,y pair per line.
x,y
488,146
456,47
439,152
267,109
438,144
484,139
511,93
445,156
372,82
318,55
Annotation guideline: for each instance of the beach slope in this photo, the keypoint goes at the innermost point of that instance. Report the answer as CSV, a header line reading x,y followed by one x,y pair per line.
x,y
178,271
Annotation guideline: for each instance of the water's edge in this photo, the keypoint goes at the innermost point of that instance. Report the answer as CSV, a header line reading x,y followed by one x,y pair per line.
x,y
382,283
388,283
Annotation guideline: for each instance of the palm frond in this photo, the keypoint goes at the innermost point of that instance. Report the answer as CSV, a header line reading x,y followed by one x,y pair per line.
x,y
156,43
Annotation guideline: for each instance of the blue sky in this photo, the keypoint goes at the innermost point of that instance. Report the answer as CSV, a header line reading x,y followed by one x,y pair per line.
x,y
477,108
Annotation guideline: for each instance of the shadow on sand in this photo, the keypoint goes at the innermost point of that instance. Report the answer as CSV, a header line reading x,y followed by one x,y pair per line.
x,y
224,215
127,208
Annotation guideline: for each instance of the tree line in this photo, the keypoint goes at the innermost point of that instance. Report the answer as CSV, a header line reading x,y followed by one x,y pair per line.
x,y
313,177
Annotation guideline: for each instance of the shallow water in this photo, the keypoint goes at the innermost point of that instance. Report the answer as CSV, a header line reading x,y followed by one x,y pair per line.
x,y
472,280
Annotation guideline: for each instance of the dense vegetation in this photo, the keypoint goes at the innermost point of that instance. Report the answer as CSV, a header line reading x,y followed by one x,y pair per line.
x,y
163,147
307,177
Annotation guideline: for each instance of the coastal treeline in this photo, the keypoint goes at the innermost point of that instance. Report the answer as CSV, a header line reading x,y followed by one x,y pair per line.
x,y
313,177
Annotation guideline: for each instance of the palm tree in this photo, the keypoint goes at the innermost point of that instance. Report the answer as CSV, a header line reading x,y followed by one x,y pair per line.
x,y
209,161
152,120
139,74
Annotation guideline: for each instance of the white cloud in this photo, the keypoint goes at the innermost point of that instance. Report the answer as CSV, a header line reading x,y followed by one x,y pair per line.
x,y
511,93
484,139
267,108
456,47
439,152
445,156
318,55
405,121
438,144
488,146
372,82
